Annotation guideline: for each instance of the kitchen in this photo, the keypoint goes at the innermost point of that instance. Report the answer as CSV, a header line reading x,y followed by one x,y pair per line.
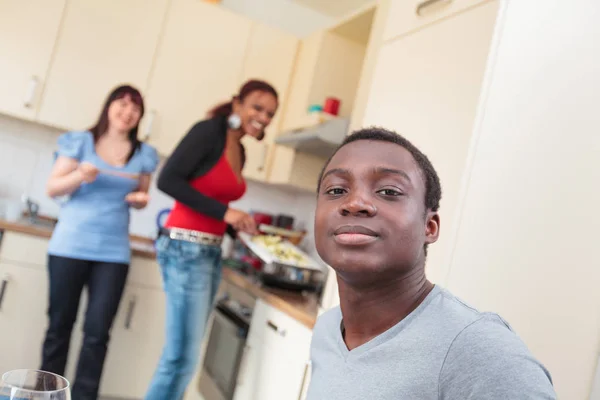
x,y
281,180
377,60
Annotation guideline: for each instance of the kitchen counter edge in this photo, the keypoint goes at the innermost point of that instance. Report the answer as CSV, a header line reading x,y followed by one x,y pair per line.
x,y
303,309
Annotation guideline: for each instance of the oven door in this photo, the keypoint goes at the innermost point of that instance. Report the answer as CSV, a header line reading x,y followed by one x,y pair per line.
x,y
224,350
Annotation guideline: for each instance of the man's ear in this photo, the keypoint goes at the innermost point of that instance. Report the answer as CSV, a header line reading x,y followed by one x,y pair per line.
x,y
432,227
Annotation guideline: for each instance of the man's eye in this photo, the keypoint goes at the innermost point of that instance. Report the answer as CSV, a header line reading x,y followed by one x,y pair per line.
x,y
390,192
335,191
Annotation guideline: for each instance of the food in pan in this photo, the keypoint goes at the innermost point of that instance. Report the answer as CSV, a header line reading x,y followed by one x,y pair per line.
x,y
283,251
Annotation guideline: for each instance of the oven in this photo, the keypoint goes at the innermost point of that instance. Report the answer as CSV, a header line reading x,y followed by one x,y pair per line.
x,y
224,349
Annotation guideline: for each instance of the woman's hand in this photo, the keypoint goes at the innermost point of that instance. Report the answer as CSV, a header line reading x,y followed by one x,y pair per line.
x,y
67,176
241,221
137,200
89,172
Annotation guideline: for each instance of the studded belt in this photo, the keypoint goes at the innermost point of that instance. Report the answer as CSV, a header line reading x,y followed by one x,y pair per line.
x,y
191,236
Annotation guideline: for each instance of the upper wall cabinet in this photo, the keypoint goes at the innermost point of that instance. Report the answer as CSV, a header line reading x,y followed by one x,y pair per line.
x,y
28,30
199,64
270,56
101,44
426,86
408,15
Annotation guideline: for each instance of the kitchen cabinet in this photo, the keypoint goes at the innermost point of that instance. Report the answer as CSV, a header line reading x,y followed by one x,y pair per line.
x,y
23,319
199,64
525,246
270,56
275,365
137,335
138,339
426,86
101,44
406,16
23,249
28,31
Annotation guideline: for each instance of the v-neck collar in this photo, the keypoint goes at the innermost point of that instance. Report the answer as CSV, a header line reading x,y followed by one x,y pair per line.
x,y
385,336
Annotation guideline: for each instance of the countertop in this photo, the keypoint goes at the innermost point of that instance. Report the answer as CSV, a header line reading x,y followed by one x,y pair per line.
x,y
140,246
303,308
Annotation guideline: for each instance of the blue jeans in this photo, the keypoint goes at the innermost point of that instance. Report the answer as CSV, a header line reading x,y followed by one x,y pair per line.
x,y
191,274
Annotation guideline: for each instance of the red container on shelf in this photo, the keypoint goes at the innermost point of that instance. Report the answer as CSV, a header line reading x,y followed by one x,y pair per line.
x,y
332,106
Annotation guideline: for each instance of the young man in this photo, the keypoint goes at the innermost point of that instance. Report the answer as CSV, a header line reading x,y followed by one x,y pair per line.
x,y
396,335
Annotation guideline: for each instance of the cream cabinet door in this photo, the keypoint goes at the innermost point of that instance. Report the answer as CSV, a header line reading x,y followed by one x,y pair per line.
x,y
270,56
426,87
275,362
102,44
23,304
409,15
199,64
28,30
136,342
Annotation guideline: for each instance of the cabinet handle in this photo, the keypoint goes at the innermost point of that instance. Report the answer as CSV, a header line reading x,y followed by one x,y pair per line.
x,y
130,310
276,328
428,3
261,167
148,130
301,394
243,366
31,89
3,287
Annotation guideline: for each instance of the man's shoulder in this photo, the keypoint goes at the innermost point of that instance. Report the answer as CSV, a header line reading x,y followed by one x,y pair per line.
x,y
487,347
453,314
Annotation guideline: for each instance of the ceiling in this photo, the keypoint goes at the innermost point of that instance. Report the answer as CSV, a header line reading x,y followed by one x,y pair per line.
x,y
334,8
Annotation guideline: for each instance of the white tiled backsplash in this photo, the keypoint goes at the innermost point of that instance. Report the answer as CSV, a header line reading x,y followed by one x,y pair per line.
x,y
26,157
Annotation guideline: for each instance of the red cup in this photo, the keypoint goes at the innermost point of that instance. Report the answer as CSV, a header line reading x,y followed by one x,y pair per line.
x,y
332,106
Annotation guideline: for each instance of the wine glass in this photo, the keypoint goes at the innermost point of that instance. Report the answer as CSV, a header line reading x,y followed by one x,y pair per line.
x,y
28,384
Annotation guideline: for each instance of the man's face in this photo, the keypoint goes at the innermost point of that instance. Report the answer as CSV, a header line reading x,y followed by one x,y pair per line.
x,y
371,222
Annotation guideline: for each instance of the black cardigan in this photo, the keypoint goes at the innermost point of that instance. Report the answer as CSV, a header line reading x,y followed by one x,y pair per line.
x,y
194,156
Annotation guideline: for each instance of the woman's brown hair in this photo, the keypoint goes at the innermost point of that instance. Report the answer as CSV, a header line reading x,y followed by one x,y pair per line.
x,y
102,125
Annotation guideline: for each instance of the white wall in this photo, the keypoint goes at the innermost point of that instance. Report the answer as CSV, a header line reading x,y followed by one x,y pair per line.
x,y
529,225
286,15
26,157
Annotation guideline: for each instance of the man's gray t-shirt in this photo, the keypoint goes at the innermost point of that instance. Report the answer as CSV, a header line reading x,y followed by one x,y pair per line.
x,y
443,350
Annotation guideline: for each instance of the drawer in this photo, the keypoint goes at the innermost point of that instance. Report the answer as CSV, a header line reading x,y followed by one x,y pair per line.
x,y
145,272
21,248
283,333
405,16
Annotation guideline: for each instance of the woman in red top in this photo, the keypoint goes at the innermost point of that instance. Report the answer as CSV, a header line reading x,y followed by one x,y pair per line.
x,y
203,175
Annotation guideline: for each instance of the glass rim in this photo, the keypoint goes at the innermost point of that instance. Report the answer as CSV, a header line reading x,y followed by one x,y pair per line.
x,y
16,371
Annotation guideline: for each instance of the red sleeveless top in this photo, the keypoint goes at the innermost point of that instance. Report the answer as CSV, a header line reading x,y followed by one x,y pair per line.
x,y
219,183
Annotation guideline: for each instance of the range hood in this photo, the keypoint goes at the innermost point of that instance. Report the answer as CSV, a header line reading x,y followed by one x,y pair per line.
x,y
320,140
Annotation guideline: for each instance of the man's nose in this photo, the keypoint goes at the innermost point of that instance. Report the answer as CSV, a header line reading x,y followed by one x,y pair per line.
x,y
358,204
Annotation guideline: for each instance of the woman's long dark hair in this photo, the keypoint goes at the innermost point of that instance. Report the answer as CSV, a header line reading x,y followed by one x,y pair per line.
x,y
102,125
253,85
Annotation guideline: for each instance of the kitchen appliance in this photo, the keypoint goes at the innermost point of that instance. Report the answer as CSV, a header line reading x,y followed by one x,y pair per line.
x,y
284,221
286,274
225,349
320,140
